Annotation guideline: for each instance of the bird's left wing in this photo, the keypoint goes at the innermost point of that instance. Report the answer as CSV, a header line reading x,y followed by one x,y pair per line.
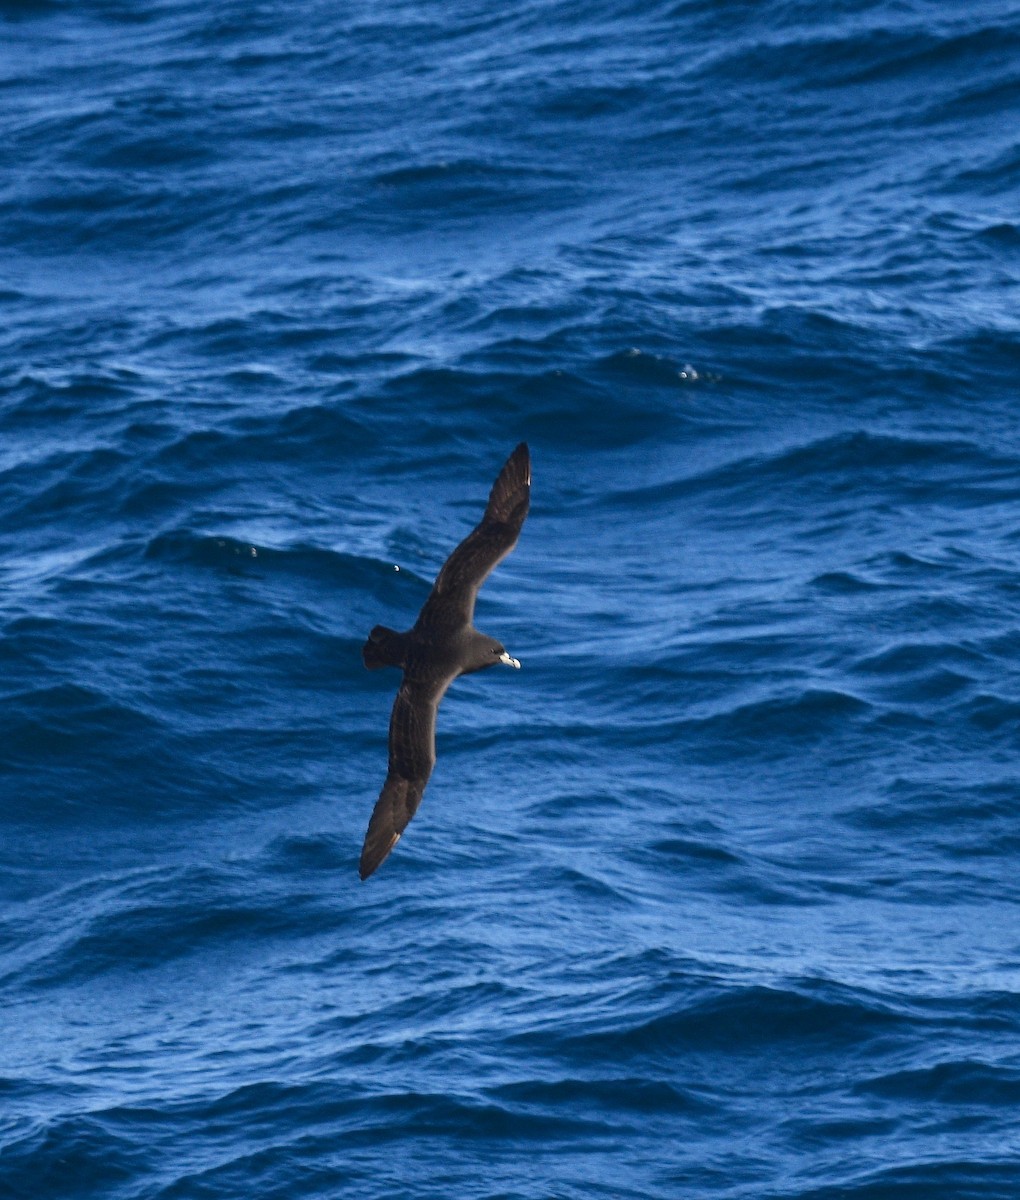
x,y
453,595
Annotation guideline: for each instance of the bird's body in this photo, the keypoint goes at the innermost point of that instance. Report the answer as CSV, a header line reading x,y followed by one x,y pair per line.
x,y
442,645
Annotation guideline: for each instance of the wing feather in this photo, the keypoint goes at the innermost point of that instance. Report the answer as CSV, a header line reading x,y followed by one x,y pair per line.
x,y
453,595
412,757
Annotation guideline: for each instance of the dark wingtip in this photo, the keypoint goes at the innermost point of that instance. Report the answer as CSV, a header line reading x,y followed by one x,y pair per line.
x,y
508,500
366,866
374,853
370,859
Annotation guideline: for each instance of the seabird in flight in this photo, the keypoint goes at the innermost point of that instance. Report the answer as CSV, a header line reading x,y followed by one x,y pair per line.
x,y
442,645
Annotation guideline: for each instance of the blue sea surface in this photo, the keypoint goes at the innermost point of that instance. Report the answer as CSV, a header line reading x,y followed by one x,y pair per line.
x,y
717,898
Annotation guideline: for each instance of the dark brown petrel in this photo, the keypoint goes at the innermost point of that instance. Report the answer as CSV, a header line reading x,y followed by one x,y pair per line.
x,y
442,645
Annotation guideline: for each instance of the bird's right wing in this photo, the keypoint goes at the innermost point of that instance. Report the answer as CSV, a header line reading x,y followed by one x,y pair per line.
x,y
452,599
412,757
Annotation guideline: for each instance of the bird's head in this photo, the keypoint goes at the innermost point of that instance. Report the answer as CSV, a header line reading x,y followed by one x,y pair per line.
x,y
487,652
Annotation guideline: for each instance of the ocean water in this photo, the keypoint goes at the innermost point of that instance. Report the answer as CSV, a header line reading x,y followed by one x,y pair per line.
x,y
716,898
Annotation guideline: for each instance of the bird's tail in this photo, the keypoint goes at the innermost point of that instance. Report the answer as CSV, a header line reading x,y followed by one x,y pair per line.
x,y
384,648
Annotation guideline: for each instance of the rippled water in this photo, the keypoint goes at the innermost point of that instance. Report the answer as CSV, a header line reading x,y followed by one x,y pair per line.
x,y
717,896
